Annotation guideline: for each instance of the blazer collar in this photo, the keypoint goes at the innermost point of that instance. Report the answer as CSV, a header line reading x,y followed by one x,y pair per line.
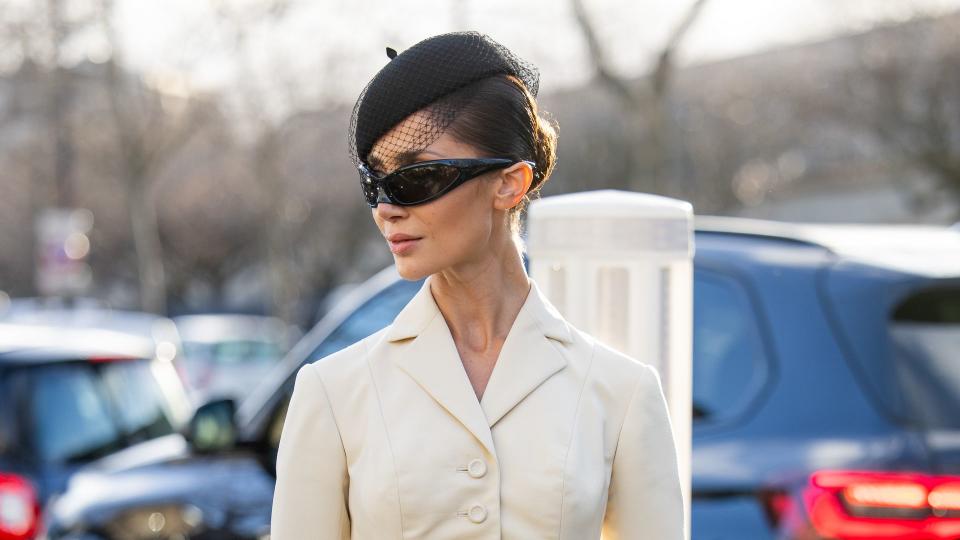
x,y
422,308
529,356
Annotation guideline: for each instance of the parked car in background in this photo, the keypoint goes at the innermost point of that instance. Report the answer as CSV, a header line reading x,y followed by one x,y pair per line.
x,y
825,381
88,313
225,489
69,397
225,355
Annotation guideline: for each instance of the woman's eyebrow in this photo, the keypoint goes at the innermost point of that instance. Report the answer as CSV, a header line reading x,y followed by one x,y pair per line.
x,y
375,163
403,159
413,156
408,157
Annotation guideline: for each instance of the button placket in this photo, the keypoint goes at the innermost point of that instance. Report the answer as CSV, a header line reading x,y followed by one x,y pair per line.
x,y
476,468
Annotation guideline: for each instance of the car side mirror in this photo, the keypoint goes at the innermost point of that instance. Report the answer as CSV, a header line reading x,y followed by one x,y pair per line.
x,y
213,428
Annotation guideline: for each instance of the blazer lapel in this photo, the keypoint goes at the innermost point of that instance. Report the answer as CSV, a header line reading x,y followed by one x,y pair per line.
x,y
432,360
530,355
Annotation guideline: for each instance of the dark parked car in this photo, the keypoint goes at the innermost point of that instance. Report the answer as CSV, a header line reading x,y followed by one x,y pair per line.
x,y
826,380
70,397
224,489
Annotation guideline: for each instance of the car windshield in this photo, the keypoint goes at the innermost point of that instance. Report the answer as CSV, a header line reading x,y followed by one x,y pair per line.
x,y
372,316
235,352
142,409
82,411
925,338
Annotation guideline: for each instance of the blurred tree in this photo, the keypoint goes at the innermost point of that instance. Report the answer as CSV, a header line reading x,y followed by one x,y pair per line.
x,y
904,91
209,214
313,227
88,134
238,21
647,127
59,96
149,129
37,36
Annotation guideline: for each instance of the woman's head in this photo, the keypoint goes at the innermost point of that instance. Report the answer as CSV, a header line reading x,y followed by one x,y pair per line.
x,y
472,206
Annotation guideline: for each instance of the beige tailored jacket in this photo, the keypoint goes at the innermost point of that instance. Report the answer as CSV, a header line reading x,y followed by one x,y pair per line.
x,y
386,439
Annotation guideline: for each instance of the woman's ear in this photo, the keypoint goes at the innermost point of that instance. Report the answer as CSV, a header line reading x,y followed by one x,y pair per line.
x,y
514,182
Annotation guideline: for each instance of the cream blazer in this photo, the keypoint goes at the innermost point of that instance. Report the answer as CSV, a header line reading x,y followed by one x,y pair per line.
x,y
386,439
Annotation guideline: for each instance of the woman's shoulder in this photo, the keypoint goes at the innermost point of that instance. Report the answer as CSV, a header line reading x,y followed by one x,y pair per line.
x,y
585,352
347,363
617,370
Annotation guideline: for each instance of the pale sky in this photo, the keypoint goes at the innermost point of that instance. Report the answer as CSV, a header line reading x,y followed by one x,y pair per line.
x,y
328,49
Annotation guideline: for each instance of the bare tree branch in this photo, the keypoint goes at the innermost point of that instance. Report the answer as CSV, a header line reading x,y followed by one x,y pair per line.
x,y
663,67
646,122
597,54
661,74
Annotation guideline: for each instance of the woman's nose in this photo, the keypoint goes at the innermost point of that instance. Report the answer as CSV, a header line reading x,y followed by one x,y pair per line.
x,y
387,211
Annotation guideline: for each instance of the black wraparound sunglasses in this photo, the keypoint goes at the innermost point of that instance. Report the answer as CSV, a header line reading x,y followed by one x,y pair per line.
x,y
426,180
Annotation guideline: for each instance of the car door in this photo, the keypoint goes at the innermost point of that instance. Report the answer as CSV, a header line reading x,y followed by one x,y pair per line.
x,y
730,371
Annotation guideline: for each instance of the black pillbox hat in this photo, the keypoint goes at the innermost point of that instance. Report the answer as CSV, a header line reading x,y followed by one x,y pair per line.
x,y
424,73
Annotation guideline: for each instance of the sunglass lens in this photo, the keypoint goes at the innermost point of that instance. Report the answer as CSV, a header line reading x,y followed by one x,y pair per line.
x,y
420,184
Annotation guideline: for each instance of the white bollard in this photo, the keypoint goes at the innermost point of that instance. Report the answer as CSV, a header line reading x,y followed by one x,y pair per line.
x,y
619,265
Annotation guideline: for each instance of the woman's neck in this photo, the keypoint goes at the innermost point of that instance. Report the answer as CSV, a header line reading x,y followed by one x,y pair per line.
x,y
480,301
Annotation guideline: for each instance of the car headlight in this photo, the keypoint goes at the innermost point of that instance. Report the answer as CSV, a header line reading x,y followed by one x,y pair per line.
x,y
167,521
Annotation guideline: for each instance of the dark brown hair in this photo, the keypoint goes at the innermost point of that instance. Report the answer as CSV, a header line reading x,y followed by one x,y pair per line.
x,y
499,117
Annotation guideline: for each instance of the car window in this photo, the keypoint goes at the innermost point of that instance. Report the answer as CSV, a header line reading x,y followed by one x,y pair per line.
x,y
729,365
71,414
370,317
252,351
925,337
229,353
81,411
141,407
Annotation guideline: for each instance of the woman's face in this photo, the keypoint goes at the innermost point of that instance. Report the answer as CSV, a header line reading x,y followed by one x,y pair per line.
x,y
462,227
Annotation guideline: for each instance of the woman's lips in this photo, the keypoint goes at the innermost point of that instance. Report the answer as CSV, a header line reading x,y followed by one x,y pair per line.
x,y
401,246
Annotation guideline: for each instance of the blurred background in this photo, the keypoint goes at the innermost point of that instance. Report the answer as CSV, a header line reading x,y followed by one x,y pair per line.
x,y
185,156
181,229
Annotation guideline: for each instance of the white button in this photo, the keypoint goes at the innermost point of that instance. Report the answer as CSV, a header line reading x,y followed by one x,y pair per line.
x,y
477,513
477,468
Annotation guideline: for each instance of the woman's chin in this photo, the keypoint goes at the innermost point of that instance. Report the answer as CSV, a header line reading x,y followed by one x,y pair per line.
x,y
409,270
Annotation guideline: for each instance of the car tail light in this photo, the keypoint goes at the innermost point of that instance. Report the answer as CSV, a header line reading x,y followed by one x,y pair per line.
x,y
861,505
19,508
108,359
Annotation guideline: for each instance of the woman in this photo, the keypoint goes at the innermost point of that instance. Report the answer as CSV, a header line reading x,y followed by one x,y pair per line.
x,y
479,412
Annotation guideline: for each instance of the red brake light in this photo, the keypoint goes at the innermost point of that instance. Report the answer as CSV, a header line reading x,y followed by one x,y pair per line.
x,y
945,498
105,359
855,505
19,508
886,494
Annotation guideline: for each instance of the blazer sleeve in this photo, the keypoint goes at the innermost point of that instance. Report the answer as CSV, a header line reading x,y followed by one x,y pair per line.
x,y
310,497
645,500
